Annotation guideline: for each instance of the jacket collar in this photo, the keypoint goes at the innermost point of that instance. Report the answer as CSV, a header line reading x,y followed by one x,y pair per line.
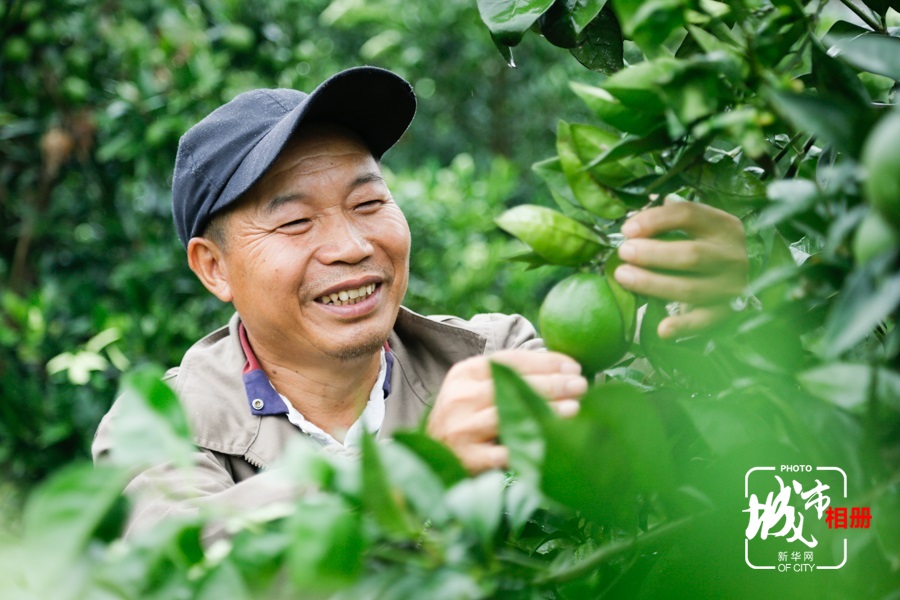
x,y
211,388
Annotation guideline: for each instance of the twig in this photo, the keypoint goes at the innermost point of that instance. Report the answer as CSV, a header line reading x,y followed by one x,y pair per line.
x,y
687,159
866,18
611,551
795,165
787,147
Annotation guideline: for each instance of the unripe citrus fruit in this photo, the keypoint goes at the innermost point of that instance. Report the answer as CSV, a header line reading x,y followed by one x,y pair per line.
x,y
881,158
584,317
873,237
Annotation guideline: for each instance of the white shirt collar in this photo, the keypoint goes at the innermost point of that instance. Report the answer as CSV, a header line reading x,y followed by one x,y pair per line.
x,y
370,420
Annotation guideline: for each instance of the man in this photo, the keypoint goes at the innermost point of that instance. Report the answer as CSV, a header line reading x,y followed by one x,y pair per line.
x,y
279,200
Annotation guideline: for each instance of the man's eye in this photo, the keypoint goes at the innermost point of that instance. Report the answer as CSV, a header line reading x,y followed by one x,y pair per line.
x,y
296,223
370,204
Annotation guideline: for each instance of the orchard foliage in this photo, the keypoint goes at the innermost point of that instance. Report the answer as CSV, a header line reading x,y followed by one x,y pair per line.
x,y
779,112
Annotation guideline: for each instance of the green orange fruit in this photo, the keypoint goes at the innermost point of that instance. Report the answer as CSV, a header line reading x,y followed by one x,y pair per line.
x,y
589,317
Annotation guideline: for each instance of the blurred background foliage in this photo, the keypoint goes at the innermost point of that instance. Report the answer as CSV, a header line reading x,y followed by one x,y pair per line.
x,y
94,96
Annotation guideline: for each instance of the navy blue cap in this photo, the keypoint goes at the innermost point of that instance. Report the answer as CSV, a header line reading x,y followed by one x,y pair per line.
x,y
223,155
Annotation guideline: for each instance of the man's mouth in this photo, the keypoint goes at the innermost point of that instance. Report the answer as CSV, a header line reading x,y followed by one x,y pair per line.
x,y
349,296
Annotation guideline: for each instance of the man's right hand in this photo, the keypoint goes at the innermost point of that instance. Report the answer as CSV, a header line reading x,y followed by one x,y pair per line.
x,y
465,418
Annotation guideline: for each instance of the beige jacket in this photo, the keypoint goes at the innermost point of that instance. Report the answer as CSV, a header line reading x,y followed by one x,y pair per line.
x,y
234,445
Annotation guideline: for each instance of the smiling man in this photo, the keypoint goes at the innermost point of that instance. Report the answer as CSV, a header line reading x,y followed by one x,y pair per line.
x,y
279,200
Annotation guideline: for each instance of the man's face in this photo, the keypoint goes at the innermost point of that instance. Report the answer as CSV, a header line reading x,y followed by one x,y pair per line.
x,y
317,255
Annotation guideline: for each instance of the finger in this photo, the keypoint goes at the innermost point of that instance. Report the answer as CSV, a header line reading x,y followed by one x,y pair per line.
x,y
558,387
566,408
477,458
693,321
465,428
695,256
682,288
698,220
481,426
465,394
523,361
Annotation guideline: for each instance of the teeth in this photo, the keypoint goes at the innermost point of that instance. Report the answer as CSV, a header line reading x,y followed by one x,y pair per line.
x,y
348,297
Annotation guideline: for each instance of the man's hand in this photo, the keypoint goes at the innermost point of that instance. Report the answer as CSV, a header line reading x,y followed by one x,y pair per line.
x,y
711,267
465,417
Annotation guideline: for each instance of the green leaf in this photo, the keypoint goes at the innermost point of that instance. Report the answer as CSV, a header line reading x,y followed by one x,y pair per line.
x,y
259,554
550,170
834,77
505,51
885,521
593,143
834,120
522,412
411,476
565,20
224,581
523,499
103,339
582,12
508,20
559,239
626,300
478,504
725,185
866,300
150,426
611,111
327,544
379,496
788,197
632,145
613,449
639,86
532,259
693,93
850,385
872,52
678,360
74,506
591,195
600,46
78,366
710,43
443,462
649,22
727,424
780,271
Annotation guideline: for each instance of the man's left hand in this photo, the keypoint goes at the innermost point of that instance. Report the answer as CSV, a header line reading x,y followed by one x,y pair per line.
x,y
705,272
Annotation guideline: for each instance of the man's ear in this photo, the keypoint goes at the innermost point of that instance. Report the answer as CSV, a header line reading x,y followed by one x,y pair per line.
x,y
207,260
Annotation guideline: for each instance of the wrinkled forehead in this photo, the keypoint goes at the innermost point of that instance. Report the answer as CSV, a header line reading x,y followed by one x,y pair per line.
x,y
317,140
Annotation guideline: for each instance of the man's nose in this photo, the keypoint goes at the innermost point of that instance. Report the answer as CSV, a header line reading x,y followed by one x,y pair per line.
x,y
344,242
